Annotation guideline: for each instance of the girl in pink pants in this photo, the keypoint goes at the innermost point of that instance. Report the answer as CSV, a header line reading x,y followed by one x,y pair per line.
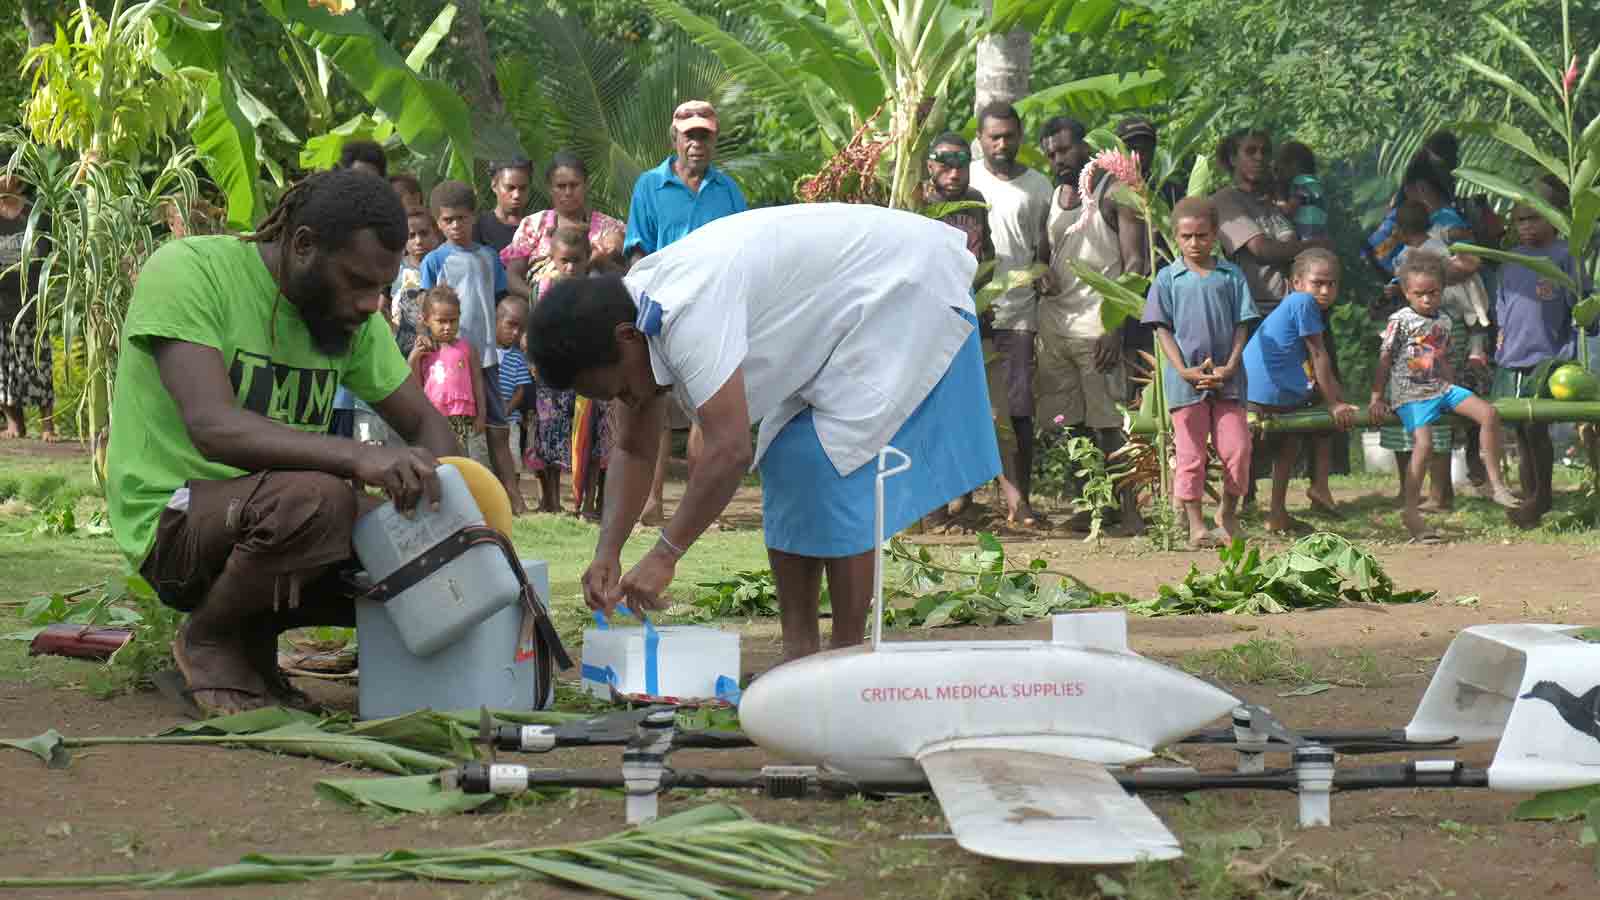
x,y
1201,309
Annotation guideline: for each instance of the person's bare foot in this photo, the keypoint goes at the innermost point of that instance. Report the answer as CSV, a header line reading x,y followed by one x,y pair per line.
x,y
519,505
957,506
1228,524
1024,515
1203,540
652,515
1504,497
1416,526
219,676
1323,503
1286,525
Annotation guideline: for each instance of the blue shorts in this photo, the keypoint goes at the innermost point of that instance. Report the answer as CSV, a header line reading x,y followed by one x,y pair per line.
x,y
1422,413
494,409
809,509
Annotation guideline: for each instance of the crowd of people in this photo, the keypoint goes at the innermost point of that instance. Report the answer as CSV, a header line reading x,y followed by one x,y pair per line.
x,y
1242,318
562,340
460,302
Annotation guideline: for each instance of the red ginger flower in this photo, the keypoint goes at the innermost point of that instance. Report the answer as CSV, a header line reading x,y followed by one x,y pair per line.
x,y
1124,167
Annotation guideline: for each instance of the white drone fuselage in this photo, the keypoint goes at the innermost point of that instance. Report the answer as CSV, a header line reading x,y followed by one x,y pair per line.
x,y
872,712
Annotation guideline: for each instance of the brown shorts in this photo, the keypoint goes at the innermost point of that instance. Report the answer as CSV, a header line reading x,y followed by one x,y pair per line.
x,y
1014,355
287,532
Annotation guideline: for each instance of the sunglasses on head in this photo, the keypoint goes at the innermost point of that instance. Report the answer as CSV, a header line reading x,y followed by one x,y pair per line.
x,y
953,158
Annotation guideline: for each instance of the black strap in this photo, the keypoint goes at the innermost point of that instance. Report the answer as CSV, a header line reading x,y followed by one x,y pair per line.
x,y
538,632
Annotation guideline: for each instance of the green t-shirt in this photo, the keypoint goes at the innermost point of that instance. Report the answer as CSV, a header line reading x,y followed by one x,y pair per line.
x,y
215,291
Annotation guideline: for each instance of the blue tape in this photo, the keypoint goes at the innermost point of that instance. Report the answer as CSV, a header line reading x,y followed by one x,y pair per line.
x,y
728,690
652,648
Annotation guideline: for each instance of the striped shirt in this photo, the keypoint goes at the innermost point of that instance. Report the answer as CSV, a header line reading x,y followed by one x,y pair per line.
x,y
513,374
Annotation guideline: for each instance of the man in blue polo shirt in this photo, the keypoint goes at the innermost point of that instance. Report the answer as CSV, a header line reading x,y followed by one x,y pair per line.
x,y
686,190
669,201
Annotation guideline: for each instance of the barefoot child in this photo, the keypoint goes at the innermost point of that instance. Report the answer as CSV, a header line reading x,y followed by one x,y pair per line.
x,y
446,365
1200,307
1535,318
1414,366
1275,368
510,319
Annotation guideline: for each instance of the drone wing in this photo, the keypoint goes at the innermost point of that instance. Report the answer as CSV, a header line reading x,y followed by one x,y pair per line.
x,y
1029,806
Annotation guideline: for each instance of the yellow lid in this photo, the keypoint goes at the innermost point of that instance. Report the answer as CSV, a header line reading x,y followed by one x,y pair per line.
x,y
487,491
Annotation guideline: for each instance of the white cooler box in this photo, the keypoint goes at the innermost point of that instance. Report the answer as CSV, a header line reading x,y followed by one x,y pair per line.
x,y
687,659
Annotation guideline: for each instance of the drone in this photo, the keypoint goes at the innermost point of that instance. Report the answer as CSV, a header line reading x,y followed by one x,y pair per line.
x,y
1030,746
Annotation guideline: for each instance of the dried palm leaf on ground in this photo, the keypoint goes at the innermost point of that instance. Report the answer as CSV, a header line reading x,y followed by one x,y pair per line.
x,y
711,852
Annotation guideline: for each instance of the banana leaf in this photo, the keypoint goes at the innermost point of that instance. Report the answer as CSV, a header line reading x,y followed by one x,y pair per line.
x,y
429,116
402,794
1093,99
1537,263
49,747
709,852
1516,193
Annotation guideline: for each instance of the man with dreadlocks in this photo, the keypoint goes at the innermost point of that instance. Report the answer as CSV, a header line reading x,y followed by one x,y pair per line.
x,y
226,492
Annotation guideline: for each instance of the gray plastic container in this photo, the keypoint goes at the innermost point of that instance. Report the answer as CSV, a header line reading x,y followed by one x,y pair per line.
x,y
437,611
477,670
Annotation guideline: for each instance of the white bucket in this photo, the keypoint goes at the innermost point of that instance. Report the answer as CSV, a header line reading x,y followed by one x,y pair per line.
x,y
1378,460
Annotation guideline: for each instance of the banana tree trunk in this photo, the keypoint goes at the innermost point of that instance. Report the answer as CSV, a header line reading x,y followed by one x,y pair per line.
x,y
1513,412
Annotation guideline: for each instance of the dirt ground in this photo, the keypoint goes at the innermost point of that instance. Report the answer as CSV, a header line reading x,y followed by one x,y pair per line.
x,y
140,808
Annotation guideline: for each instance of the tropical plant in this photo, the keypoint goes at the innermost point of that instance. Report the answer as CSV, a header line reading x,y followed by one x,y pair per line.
x,y
105,90
1576,165
570,89
714,852
104,219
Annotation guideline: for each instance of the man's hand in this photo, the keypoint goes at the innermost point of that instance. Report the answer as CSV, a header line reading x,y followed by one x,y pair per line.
x,y
479,426
1344,415
423,345
1379,410
647,581
600,583
1046,283
406,474
1108,351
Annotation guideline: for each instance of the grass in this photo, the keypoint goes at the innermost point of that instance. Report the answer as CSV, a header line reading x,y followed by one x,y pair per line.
x,y
1256,661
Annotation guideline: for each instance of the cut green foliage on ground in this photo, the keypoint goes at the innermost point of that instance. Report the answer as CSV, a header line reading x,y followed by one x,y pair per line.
x,y
709,852
1319,570
979,589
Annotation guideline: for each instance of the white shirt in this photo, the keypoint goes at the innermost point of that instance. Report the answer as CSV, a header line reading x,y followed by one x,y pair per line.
x,y
1018,209
850,310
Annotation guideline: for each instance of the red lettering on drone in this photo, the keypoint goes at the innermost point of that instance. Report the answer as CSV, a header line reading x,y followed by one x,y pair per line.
x,y
960,693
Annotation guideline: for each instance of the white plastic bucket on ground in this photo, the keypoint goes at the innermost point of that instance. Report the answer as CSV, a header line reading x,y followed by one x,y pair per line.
x,y
1378,461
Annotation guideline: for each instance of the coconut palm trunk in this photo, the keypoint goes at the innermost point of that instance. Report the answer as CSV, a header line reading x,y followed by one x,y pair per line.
x,y
1004,65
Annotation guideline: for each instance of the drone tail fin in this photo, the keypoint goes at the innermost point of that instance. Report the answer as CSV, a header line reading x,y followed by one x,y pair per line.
x,y
1526,687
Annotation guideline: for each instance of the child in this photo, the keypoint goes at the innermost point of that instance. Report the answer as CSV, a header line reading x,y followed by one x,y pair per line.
x,y
1414,365
590,440
409,189
446,364
1535,318
514,380
1201,307
422,236
1276,381
1467,303
1302,191
475,273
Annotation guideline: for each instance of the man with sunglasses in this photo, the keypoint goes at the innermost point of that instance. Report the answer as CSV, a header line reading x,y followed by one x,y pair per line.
x,y
950,181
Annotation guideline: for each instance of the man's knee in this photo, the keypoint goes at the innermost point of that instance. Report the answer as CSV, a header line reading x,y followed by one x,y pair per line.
x,y
307,511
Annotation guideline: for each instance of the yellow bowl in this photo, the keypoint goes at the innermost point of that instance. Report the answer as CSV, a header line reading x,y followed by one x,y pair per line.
x,y
487,491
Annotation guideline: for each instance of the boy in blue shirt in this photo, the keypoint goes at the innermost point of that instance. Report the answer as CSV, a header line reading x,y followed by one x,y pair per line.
x,y
1535,318
475,273
1276,378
